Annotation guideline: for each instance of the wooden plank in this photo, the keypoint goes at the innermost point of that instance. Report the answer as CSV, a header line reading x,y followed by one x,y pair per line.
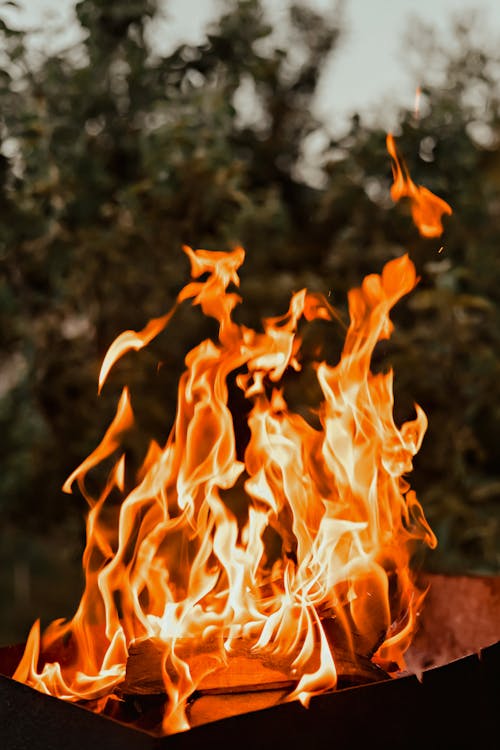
x,y
243,672
208,708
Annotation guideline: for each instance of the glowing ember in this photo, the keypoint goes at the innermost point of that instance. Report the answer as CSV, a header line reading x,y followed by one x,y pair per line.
x,y
427,209
317,558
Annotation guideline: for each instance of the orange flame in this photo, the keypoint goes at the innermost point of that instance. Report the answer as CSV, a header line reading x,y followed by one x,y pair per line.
x,y
321,528
427,208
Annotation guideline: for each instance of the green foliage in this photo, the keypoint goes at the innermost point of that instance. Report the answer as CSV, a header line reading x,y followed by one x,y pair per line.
x,y
113,157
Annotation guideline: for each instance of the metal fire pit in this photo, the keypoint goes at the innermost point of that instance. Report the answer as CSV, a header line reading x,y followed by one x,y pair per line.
x,y
453,705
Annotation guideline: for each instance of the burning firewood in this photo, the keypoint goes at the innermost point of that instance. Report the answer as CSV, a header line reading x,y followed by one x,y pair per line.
x,y
209,707
244,672
282,571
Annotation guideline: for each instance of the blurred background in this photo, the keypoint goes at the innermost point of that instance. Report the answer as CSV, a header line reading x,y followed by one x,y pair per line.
x,y
130,128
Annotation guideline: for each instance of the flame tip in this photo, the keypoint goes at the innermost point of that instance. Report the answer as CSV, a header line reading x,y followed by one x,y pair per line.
x,y
427,208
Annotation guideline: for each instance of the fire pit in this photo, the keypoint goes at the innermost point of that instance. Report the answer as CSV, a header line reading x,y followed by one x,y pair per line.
x,y
230,581
451,705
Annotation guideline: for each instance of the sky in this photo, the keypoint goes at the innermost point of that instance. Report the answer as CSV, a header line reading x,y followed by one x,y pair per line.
x,y
366,72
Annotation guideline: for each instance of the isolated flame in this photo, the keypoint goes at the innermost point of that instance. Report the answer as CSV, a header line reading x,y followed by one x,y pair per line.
x,y
427,209
173,562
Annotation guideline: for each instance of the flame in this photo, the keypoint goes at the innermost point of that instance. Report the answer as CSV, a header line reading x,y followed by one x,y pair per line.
x,y
312,555
427,208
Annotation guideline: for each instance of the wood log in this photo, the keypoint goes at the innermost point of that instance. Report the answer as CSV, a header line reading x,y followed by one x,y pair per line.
x,y
246,682
210,707
212,670
242,671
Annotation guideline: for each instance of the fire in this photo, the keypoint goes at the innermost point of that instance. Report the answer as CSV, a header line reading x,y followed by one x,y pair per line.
x,y
427,209
293,553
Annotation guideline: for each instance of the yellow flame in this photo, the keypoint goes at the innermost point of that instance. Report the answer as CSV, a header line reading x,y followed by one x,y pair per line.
x,y
320,528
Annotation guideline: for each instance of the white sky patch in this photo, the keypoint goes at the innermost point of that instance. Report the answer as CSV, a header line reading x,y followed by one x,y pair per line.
x,y
366,74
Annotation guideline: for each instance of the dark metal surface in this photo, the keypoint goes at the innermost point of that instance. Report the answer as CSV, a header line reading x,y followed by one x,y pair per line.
x,y
454,706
